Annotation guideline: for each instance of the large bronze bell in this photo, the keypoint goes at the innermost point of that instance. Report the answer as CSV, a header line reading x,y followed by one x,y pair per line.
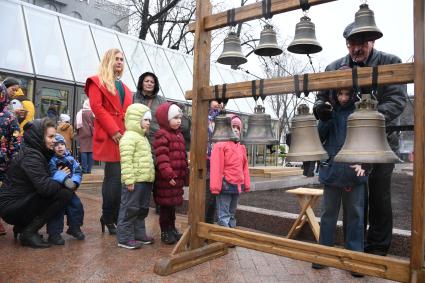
x,y
259,128
268,43
366,140
364,28
223,129
232,52
305,41
305,141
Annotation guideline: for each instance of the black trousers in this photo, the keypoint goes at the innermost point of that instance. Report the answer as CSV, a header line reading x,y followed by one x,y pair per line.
x,y
378,208
22,212
111,192
210,204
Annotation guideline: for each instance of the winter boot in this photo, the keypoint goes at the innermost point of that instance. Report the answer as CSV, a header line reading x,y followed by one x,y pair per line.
x,y
176,233
30,237
2,229
56,239
167,237
76,233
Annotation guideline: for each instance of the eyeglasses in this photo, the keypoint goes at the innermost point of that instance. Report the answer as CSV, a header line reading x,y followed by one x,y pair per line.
x,y
352,44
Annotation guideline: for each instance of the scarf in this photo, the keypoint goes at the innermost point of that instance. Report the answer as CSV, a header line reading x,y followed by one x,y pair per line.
x,y
79,118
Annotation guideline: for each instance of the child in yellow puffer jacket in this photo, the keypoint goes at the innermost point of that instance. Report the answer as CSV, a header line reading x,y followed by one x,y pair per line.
x,y
26,110
138,175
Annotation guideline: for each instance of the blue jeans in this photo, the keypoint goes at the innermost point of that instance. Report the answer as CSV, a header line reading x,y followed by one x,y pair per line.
x,y
133,210
74,213
353,203
86,161
226,209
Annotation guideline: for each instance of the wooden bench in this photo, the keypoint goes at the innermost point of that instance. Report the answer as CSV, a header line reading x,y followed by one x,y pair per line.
x,y
307,198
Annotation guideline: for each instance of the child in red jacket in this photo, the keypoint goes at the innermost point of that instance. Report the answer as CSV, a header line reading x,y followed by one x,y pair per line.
x,y
171,168
229,176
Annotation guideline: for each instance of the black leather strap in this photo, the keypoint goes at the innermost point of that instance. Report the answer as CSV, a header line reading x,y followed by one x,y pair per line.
x,y
231,17
216,92
304,5
305,85
355,79
297,86
254,90
223,94
267,8
374,80
261,92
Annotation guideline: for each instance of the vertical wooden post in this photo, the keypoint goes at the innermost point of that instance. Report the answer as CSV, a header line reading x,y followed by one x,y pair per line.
x,y
198,147
418,218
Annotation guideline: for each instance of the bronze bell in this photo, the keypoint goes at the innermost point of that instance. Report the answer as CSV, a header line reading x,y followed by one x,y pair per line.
x,y
364,28
305,41
305,141
232,52
223,129
259,128
366,140
268,43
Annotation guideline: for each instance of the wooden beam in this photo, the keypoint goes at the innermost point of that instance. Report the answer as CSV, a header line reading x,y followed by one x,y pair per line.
x,y
387,74
252,12
183,242
184,260
418,196
384,267
198,147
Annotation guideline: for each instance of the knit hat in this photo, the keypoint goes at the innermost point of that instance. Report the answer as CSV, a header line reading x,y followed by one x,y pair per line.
x,y
174,111
236,121
348,30
10,81
147,116
65,118
59,139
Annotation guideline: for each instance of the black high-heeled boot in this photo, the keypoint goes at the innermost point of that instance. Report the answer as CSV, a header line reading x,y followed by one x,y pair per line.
x,y
112,228
29,235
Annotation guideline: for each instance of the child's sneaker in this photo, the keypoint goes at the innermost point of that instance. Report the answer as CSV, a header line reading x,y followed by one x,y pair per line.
x,y
146,240
56,239
76,233
131,245
167,237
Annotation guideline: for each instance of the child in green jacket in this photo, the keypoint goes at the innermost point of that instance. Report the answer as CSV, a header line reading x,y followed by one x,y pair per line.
x,y
138,175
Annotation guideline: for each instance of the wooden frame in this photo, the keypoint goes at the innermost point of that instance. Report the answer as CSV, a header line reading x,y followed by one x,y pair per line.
x,y
191,249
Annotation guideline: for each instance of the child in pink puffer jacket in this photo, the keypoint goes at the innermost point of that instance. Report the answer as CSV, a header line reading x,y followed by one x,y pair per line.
x,y
229,175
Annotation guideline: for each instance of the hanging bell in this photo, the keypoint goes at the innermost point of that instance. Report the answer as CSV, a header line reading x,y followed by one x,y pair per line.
x,y
305,141
366,140
364,28
305,41
223,129
232,52
268,43
259,128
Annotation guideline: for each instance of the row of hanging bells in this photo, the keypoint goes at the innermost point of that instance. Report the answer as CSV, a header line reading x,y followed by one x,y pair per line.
x,y
364,122
304,41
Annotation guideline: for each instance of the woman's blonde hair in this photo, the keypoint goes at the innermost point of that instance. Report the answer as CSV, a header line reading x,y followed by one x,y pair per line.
x,y
106,70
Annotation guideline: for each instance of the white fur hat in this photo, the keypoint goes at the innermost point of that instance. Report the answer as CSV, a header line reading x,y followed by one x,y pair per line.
x,y
65,118
174,111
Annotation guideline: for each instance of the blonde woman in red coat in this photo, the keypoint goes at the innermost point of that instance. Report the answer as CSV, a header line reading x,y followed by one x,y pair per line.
x,y
109,98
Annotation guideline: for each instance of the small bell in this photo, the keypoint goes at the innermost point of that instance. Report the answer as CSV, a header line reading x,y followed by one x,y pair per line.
x,y
366,140
223,129
268,43
232,52
259,128
305,141
305,41
364,28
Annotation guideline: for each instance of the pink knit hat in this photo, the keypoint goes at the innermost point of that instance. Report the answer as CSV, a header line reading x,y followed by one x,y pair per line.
x,y
236,121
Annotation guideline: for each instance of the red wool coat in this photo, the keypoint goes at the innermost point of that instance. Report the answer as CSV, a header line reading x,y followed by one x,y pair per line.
x,y
171,160
109,118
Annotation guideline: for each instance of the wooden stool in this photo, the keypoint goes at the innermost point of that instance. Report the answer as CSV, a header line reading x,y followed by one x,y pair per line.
x,y
307,198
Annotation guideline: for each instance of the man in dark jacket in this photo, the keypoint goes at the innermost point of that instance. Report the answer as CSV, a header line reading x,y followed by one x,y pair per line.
x,y
33,197
391,103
